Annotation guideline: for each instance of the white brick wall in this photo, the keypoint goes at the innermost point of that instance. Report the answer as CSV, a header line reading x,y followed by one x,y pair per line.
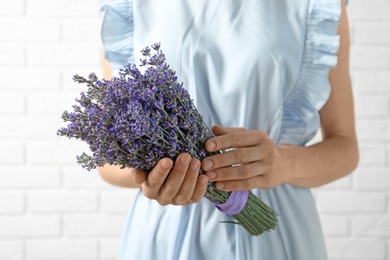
x,y
51,209
356,218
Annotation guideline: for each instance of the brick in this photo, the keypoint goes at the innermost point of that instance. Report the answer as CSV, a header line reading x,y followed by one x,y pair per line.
x,y
356,249
335,226
81,30
372,106
29,127
117,201
62,201
369,10
77,177
11,202
64,54
11,152
12,104
29,177
373,33
372,154
372,81
388,250
373,129
11,8
351,202
372,179
371,226
12,54
55,152
67,8
109,248
38,79
17,29
377,57
27,226
59,249
50,103
94,225
11,249
388,154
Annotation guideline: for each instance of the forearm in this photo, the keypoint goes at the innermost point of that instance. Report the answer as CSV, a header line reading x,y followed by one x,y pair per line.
x,y
319,164
118,177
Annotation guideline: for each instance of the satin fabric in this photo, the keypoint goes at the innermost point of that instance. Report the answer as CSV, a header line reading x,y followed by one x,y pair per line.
x,y
254,64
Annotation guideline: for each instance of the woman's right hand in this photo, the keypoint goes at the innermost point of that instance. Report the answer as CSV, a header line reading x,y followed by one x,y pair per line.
x,y
176,183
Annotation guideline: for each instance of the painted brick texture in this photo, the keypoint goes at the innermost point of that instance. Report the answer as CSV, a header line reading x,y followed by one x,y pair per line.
x,y
52,209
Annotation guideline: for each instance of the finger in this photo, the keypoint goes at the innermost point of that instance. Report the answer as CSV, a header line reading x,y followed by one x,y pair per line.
x,y
175,179
245,171
262,181
156,178
187,189
236,156
139,176
236,140
200,188
238,185
219,130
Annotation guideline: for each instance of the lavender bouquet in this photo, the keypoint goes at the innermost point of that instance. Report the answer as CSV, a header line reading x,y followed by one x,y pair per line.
x,y
138,118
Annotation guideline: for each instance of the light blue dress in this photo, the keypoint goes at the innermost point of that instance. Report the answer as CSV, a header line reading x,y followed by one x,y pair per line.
x,y
258,64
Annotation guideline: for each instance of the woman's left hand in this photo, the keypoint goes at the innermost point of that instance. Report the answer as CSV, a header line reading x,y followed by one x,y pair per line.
x,y
254,161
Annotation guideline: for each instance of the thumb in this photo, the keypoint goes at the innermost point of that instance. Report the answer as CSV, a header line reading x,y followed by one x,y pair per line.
x,y
139,176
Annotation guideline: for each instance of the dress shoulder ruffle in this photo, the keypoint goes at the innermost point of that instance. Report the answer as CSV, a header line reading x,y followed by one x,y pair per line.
x,y
312,89
117,32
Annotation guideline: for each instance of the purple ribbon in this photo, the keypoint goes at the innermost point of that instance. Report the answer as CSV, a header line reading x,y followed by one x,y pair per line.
x,y
235,203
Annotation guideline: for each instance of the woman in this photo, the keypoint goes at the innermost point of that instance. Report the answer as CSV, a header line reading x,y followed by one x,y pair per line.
x,y
271,73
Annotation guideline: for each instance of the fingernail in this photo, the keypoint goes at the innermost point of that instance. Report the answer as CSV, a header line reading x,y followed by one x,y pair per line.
x,y
220,185
212,145
208,164
211,175
166,164
203,181
184,159
194,164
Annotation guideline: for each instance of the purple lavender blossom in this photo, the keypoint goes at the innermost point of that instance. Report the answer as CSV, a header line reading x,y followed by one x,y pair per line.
x,y
136,119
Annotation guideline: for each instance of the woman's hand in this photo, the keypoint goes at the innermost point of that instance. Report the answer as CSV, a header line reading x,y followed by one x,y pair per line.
x,y
253,162
177,184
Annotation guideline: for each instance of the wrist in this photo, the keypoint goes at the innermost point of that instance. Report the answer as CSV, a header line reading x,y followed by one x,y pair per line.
x,y
285,163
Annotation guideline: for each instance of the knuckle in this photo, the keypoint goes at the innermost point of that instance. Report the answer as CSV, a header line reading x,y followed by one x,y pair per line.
x,y
181,199
197,196
222,174
170,192
163,202
192,177
220,160
236,140
260,134
244,173
242,155
232,186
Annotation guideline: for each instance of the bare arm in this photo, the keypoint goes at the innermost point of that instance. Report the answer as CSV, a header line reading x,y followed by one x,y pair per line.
x,y
266,165
337,155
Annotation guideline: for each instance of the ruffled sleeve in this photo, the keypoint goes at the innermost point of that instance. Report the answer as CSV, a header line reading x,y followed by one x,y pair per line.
x,y
117,32
312,89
